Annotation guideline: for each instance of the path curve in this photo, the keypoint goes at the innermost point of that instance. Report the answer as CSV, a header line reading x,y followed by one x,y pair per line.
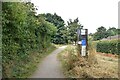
x,y
50,66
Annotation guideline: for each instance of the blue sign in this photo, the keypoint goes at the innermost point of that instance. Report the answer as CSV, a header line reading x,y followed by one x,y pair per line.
x,y
83,42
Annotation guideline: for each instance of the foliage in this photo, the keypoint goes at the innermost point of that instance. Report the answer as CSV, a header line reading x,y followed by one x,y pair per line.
x,y
108,46
22,33
102,32
65,34
72,29
59,37
112,31
118,31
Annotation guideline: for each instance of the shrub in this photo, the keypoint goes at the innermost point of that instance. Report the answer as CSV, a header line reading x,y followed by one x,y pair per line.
x,y
23,33
108,46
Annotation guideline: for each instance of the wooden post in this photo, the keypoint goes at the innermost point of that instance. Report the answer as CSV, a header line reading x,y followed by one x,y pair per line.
x,y
86,32
78,39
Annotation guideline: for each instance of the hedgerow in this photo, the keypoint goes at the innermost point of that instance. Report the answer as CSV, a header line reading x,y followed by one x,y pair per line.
x,y
110,46
23,32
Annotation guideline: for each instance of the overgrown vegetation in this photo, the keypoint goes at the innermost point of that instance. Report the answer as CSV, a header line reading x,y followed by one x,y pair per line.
x,y
24,37
59,37
94,66
74,65
109,46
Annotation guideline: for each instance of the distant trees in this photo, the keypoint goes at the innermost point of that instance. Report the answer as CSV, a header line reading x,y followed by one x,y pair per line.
x,y
65,33
102,32
59,37
112,31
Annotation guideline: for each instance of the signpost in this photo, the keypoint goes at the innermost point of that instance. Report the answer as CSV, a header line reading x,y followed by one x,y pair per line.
x,y
82,41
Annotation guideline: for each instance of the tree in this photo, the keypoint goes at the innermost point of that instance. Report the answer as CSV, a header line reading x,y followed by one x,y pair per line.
x,y
58,38
72,29
112,31
101,33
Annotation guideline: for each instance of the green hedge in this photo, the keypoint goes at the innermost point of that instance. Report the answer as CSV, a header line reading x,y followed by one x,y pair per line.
x,y
23,33
108,46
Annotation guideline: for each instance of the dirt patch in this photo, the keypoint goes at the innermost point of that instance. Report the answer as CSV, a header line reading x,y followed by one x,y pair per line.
x,y
108,55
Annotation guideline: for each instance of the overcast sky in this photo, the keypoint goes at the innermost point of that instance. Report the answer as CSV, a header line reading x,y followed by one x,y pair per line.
x,y
91,13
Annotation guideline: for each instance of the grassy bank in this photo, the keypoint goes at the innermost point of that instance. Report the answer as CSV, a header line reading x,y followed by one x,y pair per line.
x,y
25,68
95,66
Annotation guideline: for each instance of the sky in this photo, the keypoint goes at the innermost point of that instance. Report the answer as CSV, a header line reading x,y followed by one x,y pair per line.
x,y
91,13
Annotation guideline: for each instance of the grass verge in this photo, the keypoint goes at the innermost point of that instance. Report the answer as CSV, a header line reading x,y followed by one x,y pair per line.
x,y
24,68
94,66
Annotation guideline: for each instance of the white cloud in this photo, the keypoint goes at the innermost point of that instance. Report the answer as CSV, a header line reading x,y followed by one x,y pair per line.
x,y
92,13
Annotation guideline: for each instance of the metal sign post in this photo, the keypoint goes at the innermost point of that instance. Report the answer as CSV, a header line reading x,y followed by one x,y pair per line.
x,y
82,41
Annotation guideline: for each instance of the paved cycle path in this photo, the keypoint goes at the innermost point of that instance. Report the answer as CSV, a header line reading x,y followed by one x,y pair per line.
x,y
50,66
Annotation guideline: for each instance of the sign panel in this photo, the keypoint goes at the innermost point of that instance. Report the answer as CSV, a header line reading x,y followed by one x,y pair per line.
x,y
83,51
82,31
84,42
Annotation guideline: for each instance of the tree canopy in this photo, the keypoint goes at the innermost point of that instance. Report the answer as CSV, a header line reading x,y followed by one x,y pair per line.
x,y
72,27
58,38
102,32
